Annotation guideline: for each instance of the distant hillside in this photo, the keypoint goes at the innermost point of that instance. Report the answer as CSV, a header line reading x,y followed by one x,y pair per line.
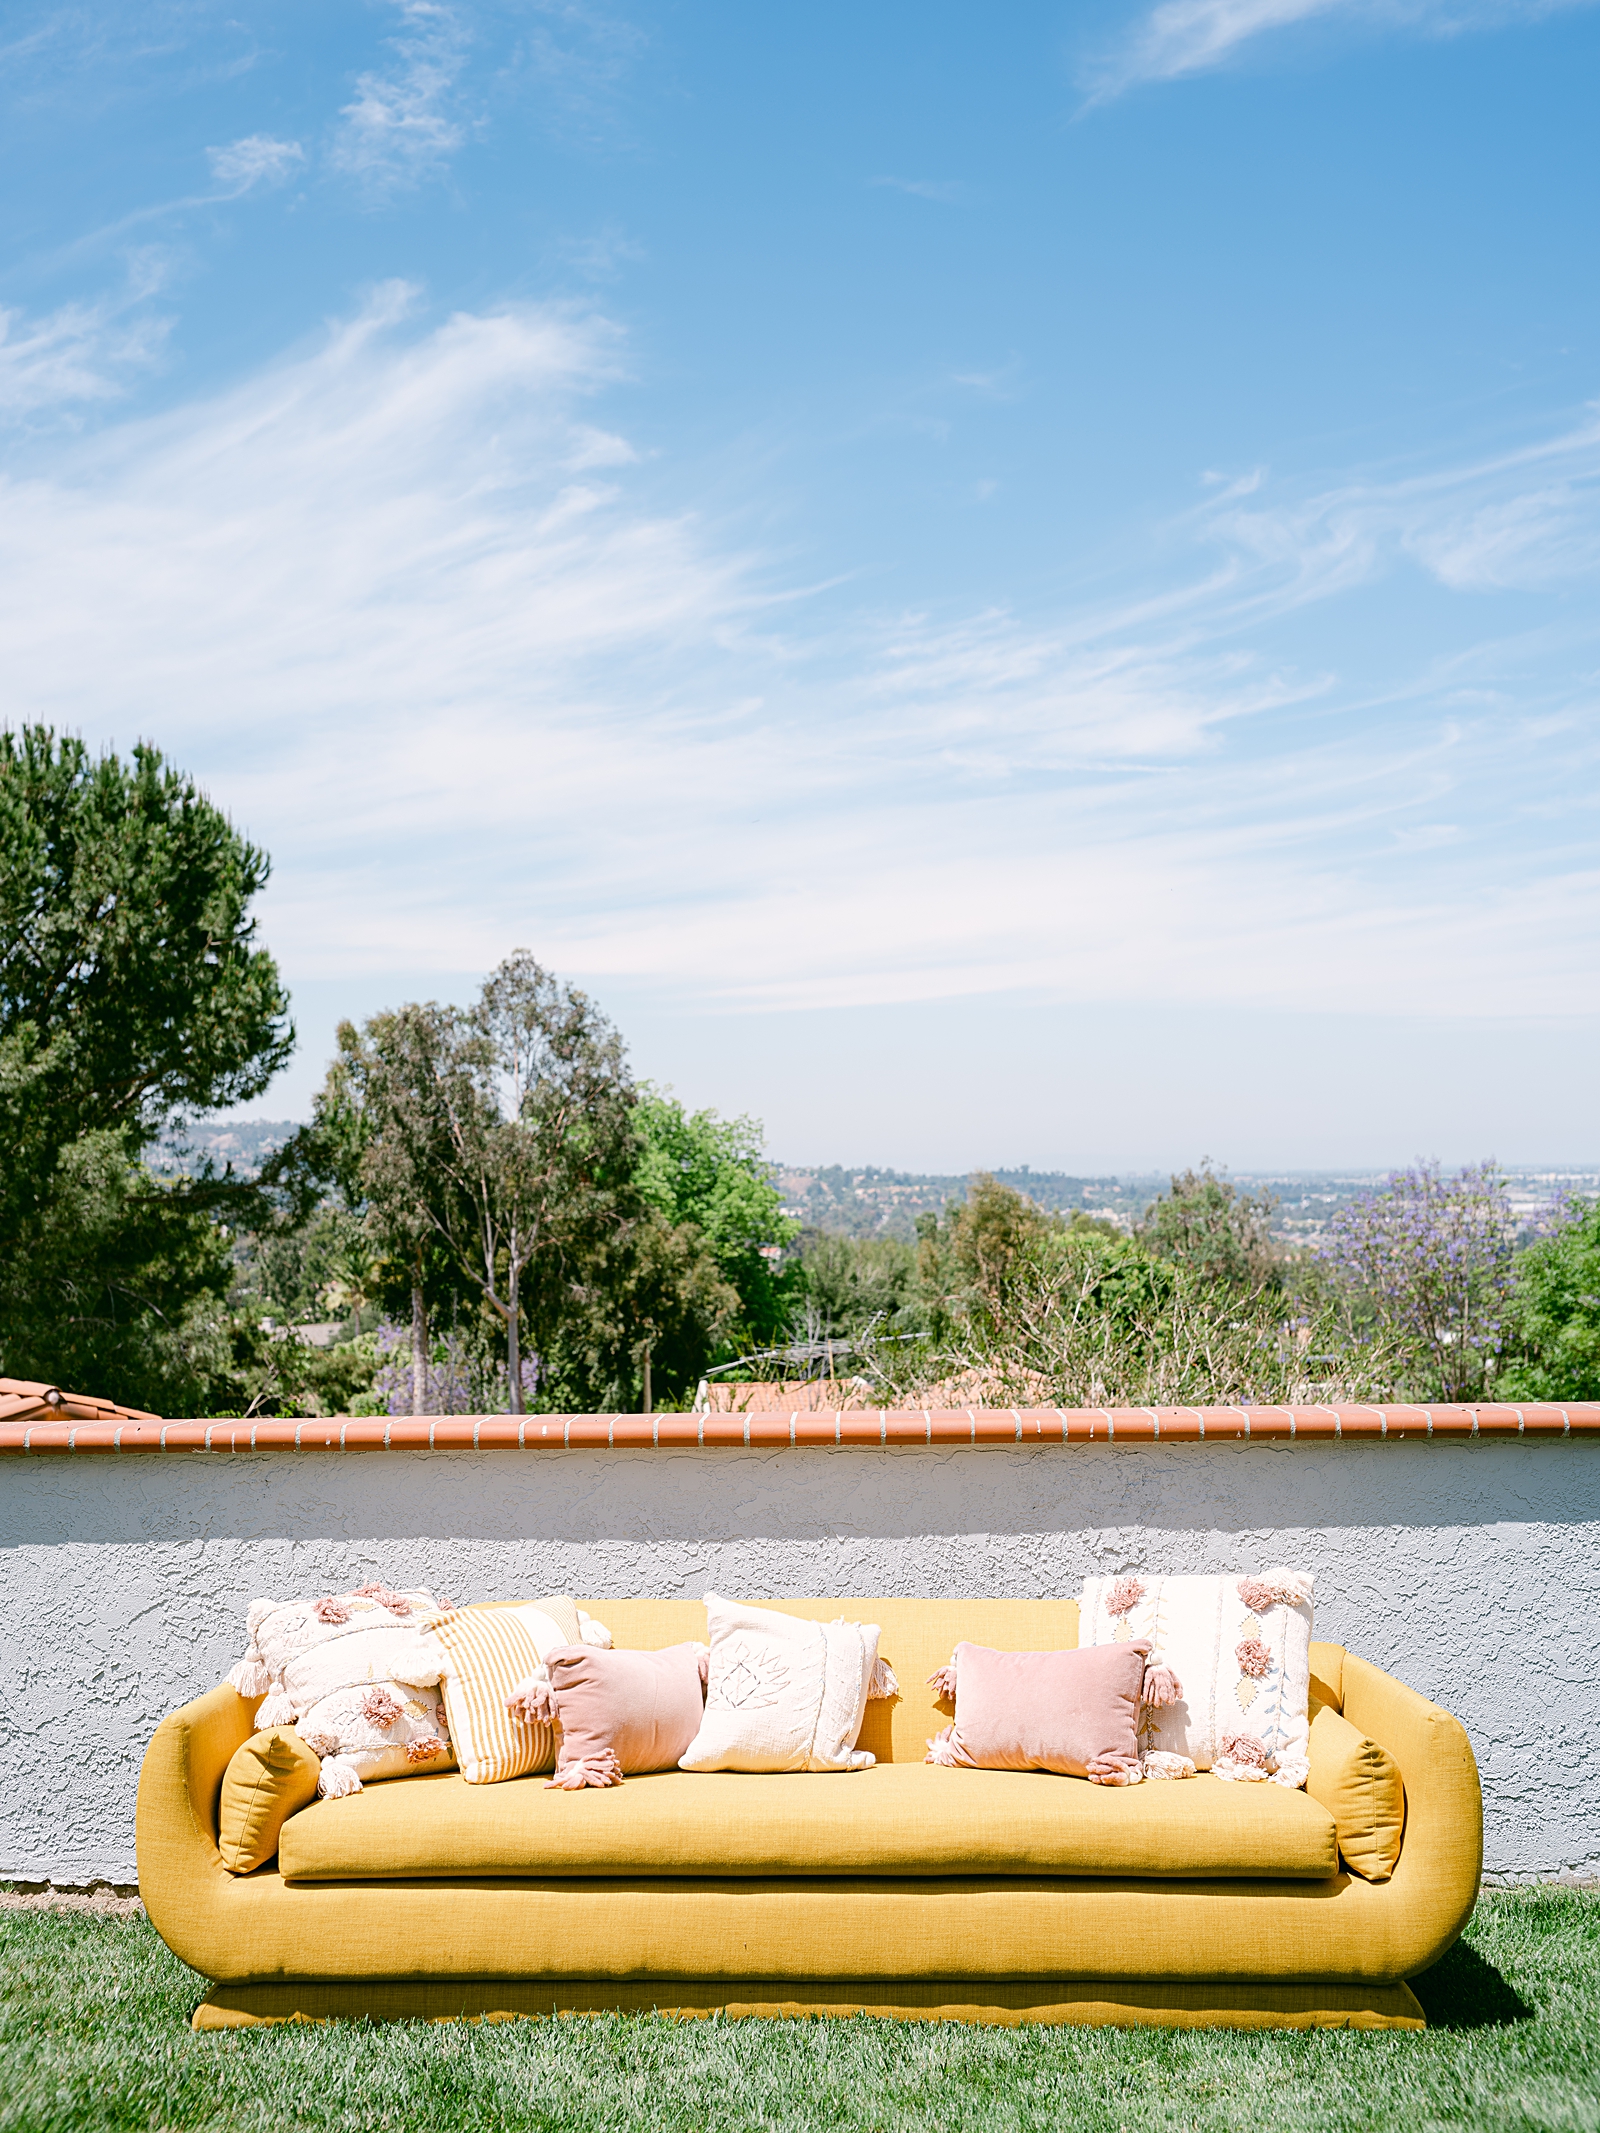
x,y
244,1142
850,1201
886,1203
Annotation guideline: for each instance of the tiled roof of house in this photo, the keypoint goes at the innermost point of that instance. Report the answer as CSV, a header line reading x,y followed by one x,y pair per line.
x,y
22,1401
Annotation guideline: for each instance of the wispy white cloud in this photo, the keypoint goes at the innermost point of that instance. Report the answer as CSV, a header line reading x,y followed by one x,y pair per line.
x,y
397,601
1181,37
1527,517
81,354
258,159
407,120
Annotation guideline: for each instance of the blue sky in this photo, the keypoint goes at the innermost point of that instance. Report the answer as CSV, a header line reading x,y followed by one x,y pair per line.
x,y
1002,585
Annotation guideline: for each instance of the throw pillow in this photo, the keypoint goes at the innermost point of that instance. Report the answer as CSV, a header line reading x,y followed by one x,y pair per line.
x,y
782,1694
487,1656
375,1728
281,1631
1360,1784
355,1674
623,1712
1229,1671
270,1778
1074,1712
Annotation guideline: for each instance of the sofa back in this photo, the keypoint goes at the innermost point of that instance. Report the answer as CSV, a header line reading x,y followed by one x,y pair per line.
x,y
916,1636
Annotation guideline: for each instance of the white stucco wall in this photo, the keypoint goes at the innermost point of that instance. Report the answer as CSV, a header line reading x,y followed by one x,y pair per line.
x,y
1471,1570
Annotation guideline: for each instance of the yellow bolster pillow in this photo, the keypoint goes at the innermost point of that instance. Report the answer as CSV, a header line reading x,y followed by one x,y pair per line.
x,y
270,1778
1360,1785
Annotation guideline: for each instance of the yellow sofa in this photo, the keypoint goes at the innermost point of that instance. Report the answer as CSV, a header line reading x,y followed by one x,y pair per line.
x,y
908,1889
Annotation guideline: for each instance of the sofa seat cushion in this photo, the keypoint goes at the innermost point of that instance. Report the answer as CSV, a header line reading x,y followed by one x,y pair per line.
x,y
899,1819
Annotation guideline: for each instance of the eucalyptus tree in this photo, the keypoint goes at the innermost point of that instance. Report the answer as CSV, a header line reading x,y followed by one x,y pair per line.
x,y
544,1154
397,1099
502,1138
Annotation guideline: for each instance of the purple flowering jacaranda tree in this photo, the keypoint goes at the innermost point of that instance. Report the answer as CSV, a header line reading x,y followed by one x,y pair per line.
x,y
1430,1257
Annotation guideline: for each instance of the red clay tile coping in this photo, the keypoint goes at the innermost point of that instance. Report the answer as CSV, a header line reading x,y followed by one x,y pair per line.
x,y
880,1427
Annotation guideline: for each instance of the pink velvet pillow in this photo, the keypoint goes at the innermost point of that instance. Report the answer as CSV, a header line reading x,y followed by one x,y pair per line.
x,y
1074,1712
624,1711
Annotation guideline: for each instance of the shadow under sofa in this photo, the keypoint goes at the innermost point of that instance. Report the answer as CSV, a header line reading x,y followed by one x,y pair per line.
x,y
908,1890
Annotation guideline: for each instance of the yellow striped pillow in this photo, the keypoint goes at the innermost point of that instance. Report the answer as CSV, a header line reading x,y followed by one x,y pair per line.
x,y
485,1653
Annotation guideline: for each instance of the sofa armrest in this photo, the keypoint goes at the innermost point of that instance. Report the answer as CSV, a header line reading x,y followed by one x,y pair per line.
x,y
1435,1881
181,1875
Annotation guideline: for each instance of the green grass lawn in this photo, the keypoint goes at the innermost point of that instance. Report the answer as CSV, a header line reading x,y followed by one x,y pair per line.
x,y
94,2033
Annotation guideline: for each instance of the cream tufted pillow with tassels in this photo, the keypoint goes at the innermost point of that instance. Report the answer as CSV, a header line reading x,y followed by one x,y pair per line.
x,y
354,1675
1230,1663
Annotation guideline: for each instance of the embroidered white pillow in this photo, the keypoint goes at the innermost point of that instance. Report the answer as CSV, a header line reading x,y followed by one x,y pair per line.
x,y
353,1673
489,1655
282,1631
782,1694
375,1729
1240,1649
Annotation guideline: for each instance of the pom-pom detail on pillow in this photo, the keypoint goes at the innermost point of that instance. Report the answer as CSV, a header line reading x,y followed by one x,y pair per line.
x,y
1125,1595
426,1750
1243,1759
379,1708
1244,1748
1275,1588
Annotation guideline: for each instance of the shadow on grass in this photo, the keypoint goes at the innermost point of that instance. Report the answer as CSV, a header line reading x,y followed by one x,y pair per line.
x,y
1464,1992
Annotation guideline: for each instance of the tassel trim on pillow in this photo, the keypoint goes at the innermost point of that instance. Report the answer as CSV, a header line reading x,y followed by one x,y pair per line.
x,y
1166,1763
338,1778
945,1748
1161,1687
943,1678
532,1702
250,1676
1114,1770
601,1769
278,1709
883,1684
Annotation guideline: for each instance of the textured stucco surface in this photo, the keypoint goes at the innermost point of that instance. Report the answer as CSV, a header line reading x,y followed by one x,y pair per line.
x,y
1471,1570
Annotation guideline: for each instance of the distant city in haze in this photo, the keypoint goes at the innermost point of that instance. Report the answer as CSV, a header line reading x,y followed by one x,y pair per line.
x,y
856,1200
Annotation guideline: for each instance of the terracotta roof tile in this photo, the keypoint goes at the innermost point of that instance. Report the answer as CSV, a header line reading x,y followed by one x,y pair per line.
x,y
82,1426
21,1400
